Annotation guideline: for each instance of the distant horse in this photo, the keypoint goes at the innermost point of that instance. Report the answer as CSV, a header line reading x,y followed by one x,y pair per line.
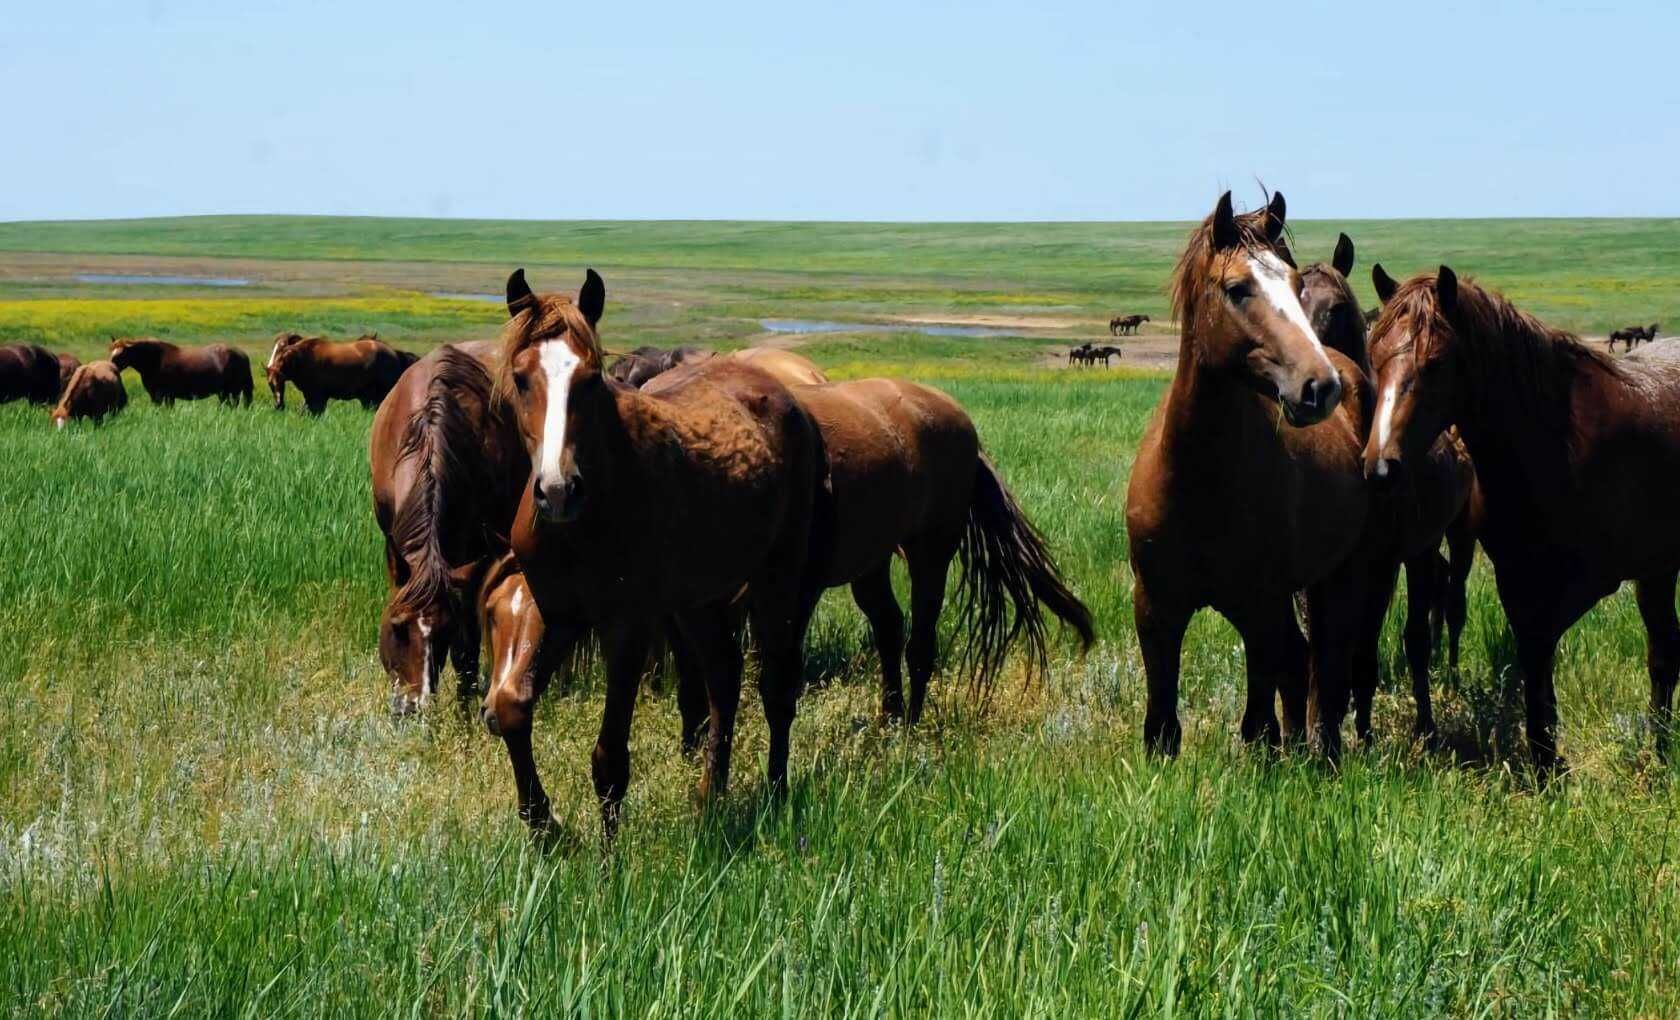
x,y
170,373
448,468
643,363
1632,336
94,391
364,370
1102,353
1122,325
1080,355
67,365
1431,504
1577,458
642,508
28,372
1230,507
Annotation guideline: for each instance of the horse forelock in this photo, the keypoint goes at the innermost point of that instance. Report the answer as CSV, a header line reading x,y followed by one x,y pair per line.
x,y
1189,277
549,317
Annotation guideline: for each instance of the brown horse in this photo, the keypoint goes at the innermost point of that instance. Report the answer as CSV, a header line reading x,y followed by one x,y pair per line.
x,y
645,508
447,469
1632,336
790,368
28,372
1230,507
170,373
1122,325
1577,457
644,363
94,391
1409,525
1103,354
364,370
67,365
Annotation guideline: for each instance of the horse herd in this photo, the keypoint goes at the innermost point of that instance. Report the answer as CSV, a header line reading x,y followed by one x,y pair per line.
x,y
364,369
1090,354
562,508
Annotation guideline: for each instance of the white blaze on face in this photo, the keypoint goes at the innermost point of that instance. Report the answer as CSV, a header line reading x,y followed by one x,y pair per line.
x,y
559,361
1385,413
1272,276
425,659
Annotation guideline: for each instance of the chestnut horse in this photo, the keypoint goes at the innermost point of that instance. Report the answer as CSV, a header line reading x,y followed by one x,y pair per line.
x,y
1577,458
1121,325
1230,507
28,372
94,391
364,370
645,508
447,470
1434,503
170,373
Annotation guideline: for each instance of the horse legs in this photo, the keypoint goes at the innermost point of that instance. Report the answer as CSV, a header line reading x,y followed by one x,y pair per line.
x,y
1160,631
873,593
714,642
625,650
930,562
1424,575
691,689
1275,654
464,655
1662,650
1363,676
1335,607
508,709
781,671
1461,556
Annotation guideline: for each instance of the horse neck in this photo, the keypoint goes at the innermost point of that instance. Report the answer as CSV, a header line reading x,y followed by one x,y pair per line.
x,y
1205,408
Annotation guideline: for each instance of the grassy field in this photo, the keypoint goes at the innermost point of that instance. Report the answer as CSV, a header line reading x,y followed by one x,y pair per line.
x,y
205,809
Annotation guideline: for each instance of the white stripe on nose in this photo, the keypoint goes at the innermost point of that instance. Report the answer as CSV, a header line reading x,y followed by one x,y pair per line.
x,y
1385,413
559,361
1272,275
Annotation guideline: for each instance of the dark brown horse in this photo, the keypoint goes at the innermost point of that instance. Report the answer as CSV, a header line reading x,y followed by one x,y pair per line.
x,y
1080,355
94,391
1230,507
1102,354
1632,336
645,508
1409,524
28,372
364,370
1577,457
1121,325
170,373
67,365
447,468
644,363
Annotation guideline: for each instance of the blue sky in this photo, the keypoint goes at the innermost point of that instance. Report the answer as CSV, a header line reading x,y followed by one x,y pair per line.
x,y
790,110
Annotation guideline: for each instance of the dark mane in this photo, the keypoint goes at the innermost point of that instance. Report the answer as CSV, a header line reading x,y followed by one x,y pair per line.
x,y
1191,271
551,316
1497,342
450,465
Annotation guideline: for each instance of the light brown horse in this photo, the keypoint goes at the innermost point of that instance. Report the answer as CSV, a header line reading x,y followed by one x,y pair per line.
x,y
170,373
645,508
1577,457
792,369
94,391
447,470
1409,523
1247,488
364,370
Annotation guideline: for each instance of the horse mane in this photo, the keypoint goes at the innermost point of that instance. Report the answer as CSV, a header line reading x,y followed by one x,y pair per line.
x,y
1499,343
1188,276
1359,325
445,443
547,317
71,384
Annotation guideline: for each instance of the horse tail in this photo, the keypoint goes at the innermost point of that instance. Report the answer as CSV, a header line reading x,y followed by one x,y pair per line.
x,y
443,440
1008,578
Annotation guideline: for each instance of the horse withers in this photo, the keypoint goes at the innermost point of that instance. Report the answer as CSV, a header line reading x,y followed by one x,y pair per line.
x,y
1232,508
1577,460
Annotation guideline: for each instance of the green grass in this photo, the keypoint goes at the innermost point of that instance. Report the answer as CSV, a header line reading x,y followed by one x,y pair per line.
x,y
204,808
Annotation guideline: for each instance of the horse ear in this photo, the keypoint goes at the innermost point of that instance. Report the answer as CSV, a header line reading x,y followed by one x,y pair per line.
x,y
1446,291
1383,282
519,296
592,299
1275,212
1224,224
1342,260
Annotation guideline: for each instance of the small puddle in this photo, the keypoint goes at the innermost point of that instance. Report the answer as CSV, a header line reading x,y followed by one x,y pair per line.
x,y
451,295
807,326
167,281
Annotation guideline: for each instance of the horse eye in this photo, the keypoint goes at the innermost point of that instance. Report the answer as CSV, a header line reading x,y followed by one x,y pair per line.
x,y
1237,292
519,383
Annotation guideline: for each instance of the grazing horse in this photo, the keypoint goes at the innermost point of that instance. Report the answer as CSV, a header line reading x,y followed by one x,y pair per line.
x,y
1409,525
94,391
447,468
1121,325
1103,353
1230,507
643,508
67,365
170,373
364,370
28,372
1577,458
